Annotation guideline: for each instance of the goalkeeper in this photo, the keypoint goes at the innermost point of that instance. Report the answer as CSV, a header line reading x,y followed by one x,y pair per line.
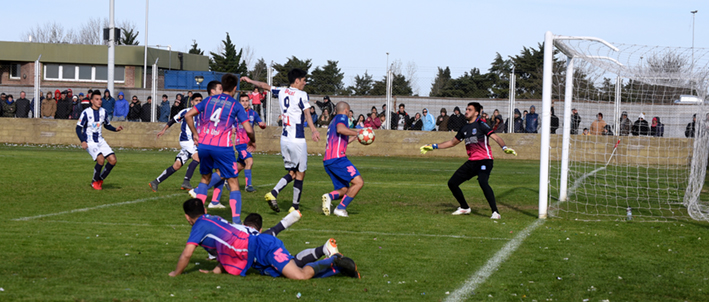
x,y
475,134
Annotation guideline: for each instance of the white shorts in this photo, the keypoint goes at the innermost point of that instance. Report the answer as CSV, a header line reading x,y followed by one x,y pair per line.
x,y
188,148
101,147
295,154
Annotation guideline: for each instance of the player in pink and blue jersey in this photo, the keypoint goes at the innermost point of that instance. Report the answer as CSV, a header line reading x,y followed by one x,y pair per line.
x,y
237,250
341,170
217,116
245,159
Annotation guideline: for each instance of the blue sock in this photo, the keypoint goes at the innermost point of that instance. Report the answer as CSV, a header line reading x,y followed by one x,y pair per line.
x,y
345,202
201,192
235,203
334,195
215,179
247,175
217,193
324,268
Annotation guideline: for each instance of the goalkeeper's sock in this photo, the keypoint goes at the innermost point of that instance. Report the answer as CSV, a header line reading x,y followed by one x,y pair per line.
x,y
281,184
345,202
334,195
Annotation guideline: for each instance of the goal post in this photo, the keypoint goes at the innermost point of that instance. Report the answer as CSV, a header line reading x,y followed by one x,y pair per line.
x,y
655,172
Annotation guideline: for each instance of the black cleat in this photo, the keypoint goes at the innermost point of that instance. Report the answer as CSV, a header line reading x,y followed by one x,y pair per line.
x,y
186,185
272,202
347,266
250,189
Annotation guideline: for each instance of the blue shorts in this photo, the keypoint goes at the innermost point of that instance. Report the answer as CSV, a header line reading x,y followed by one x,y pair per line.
x,y
243,154
341,171
222,158
271,255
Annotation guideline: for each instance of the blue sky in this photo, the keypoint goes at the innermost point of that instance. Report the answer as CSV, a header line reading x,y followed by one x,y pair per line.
x,y
358,34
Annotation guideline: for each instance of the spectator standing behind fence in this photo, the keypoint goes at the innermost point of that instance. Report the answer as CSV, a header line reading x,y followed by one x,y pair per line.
x,y
442,120
382,120
63,106
657,128
518,126
134,109
49,106
85,101
531,122
164,110
120,112
146,111
499,124
373,121
598,124
176,107
429,124
314,116
109,104
257,98
416,123
625,124
185,99
9,107
691,127
575,121
641,127
326,104
401,119
324,119
554,121
23,106
351,119
360,122
456,120
75,108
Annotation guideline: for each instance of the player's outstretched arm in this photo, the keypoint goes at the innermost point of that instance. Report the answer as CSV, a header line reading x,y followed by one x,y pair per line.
x,y
501,142
184,260
444,145
258,84
309,119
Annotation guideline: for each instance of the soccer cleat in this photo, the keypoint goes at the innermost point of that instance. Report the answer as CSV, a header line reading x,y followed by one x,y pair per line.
x,y
326,204
210,257
272,202
341,213
461,211
495,215
331,247
96,185
347,266
186,185
291,218
153,185
100,183
192,193
250,189
216,206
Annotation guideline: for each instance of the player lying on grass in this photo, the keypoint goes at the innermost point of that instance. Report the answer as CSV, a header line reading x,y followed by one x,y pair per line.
x,y
88,128
341,170
189,150
237,250
475,134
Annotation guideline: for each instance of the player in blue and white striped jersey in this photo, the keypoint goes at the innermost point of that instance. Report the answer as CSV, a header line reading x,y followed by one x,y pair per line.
x,y
188,149
88,129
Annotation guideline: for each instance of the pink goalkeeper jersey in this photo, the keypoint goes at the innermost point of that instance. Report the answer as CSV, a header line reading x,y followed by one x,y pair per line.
x,y
218,115
336,142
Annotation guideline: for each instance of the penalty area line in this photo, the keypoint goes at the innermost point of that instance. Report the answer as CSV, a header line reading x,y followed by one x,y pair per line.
x,y
97,207
492,264
398,234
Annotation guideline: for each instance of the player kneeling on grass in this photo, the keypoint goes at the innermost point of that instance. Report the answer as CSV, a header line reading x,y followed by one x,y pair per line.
x,y
341,170
237,250
475,134
88,128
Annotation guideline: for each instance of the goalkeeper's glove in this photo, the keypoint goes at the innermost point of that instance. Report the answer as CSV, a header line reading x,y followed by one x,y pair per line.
x,y
426,148
509,150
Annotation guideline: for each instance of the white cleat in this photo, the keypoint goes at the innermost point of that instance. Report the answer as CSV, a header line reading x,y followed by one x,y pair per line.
x,y
326,204
216,206
192,193
461,211
331,248
495,215
341,213
291,218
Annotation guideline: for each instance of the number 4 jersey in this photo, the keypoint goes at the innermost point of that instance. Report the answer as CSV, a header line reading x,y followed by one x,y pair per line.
x,y
218,115
292,101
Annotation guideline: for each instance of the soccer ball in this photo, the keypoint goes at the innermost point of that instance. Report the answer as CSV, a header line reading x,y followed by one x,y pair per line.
x,y
365,136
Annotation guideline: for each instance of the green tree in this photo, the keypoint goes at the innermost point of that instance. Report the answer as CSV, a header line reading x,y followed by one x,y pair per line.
x,y
529,68
258,73
195,50
281,77
327,80
128,37
500,70
472,84
228,60
400,86
441,80
362,85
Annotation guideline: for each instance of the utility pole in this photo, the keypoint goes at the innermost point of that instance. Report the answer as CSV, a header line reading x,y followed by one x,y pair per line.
x,y
694,14
111,46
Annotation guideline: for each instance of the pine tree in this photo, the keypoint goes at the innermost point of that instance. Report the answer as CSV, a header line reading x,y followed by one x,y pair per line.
x,y
281,77
399,86
195,50
128,37
259,73
442,78
229,60
327,80
363,85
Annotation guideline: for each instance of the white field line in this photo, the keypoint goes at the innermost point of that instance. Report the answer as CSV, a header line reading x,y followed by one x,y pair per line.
x,y
97,207
492,264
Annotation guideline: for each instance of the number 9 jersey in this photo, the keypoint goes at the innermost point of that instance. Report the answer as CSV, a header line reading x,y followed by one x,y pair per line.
x,y
292,102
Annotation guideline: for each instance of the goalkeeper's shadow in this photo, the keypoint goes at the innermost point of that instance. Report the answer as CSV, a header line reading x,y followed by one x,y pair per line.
x,y
523,209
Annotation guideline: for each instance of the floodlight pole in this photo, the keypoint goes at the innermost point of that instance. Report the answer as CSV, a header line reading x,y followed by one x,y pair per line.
x,y
145,49
694,14
111,46
511,97
37,91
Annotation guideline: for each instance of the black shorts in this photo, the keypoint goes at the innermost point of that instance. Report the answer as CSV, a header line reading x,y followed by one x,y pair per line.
x,y
473,168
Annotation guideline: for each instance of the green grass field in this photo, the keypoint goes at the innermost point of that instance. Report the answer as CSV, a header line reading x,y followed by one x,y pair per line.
x,y
400,232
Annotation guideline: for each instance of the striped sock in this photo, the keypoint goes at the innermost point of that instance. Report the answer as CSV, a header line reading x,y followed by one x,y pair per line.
x,y
235,203
345,202
247,175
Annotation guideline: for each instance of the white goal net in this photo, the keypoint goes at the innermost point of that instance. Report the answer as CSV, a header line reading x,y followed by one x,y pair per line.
x,y
645,150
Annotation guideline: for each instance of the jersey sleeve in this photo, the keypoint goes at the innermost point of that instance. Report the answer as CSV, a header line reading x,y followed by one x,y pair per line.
x,y
275,90
460,136
240,114
257,118
485,128
82,120
201,105
342,119
197,234
305,104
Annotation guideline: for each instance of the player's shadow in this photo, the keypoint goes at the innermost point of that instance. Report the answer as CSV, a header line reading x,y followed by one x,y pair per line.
x,y
517,207
111,186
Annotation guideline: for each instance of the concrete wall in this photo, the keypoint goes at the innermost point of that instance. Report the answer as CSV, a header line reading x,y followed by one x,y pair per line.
x,y
632,150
